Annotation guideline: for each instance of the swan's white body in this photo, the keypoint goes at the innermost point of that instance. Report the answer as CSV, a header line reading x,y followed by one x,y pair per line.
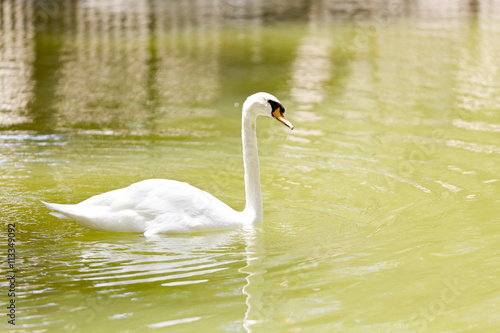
x,y
167,206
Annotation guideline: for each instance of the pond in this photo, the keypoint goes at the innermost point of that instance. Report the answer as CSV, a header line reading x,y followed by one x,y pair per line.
x,y
381,207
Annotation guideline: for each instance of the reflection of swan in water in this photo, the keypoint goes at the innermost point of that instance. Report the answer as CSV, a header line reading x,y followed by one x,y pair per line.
x,y
253,288
167,206
171,261
198,264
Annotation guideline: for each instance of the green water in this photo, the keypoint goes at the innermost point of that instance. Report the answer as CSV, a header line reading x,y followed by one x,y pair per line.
x,y
382,207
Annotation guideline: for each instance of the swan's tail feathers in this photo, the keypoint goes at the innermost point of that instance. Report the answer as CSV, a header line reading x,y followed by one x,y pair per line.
x,y
58,208
99,218
59,215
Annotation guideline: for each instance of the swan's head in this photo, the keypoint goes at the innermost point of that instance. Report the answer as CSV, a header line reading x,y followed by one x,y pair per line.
x,y
264,104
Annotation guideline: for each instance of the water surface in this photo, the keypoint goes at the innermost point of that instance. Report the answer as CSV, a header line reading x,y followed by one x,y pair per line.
x,y
381,207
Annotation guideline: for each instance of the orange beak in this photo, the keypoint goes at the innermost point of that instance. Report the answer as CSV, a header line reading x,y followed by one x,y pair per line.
x,y
279,115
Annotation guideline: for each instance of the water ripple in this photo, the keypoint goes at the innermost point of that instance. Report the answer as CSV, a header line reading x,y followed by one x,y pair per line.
x,y
475,147
476,126
174,322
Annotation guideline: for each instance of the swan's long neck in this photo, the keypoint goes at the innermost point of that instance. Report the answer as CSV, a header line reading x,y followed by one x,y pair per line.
x,y
253,192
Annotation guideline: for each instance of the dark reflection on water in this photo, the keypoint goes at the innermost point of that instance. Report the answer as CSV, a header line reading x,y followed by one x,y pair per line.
x,y
112,64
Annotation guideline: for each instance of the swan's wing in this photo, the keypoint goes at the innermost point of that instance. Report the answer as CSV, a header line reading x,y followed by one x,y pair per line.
x,y
154,197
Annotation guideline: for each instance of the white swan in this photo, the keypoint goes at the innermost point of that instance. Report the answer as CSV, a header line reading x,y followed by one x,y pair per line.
x,y
167,206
